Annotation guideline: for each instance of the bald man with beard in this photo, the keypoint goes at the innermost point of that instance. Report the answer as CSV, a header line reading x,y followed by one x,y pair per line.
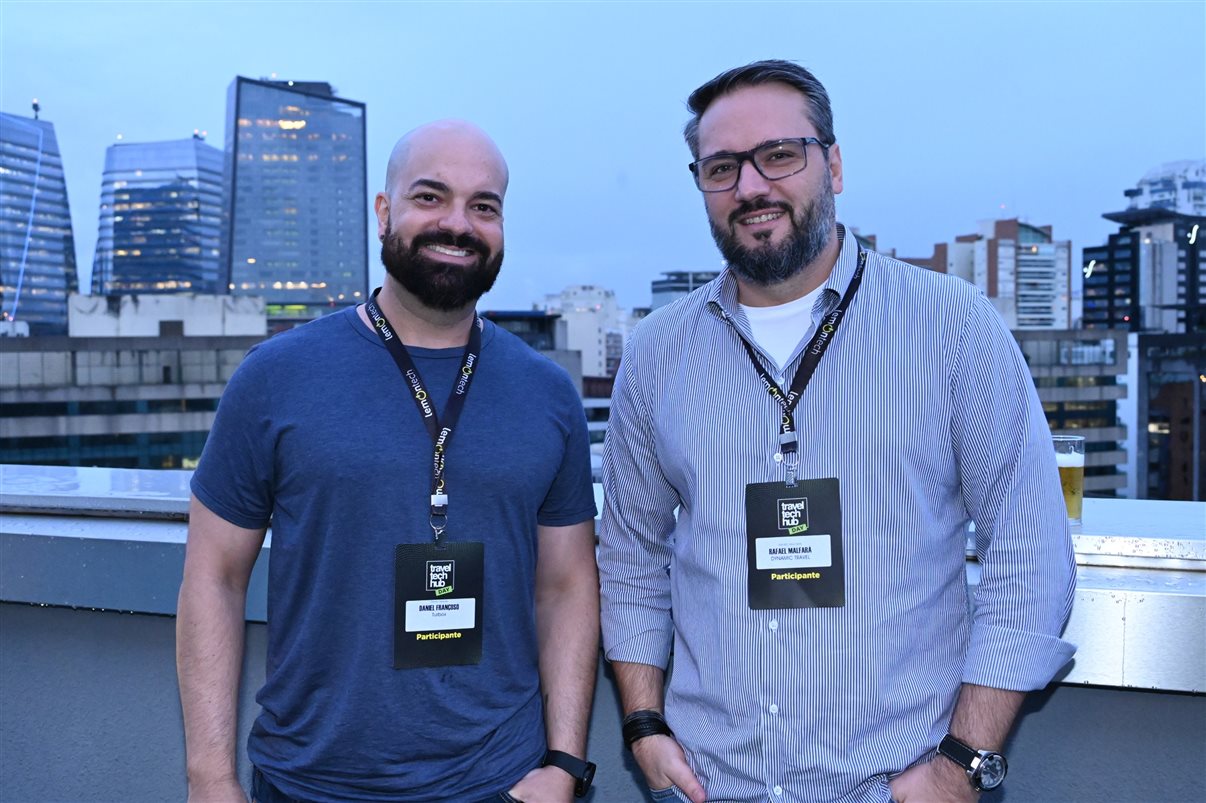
x,y
432,592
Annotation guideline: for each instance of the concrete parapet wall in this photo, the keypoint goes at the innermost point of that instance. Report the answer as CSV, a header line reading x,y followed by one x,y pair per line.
x,y
90,712
90,566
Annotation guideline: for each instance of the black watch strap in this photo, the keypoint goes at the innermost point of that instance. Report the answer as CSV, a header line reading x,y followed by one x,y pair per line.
x,y
986,769
958,752
582,771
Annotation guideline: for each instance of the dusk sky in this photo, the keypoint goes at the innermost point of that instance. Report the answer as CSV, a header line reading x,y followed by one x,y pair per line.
x,y
948,113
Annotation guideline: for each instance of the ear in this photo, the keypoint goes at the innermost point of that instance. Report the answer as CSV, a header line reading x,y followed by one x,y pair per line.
x,y
835,167
381,207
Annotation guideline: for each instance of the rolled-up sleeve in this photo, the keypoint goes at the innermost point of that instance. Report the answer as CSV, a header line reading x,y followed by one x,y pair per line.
x,y
1011,490
635,540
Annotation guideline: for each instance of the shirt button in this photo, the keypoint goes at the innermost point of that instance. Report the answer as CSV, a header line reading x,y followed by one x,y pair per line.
x,y
773,624
774,709
778,790
778,457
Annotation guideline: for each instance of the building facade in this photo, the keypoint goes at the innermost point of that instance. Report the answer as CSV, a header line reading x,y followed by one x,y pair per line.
x,y
1080,377
160,219
297,198
37,244
1166,416
131,388
1148,275
590,314
1021,268
678,283
1175,187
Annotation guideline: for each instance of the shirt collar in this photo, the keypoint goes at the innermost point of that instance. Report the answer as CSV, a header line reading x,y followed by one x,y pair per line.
x,y
722,297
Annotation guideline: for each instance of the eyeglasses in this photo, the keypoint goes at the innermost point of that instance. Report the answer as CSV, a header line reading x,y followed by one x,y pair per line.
x,y
773,160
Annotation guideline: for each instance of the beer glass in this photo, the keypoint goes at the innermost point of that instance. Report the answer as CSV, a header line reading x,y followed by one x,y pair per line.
x,y
1070,457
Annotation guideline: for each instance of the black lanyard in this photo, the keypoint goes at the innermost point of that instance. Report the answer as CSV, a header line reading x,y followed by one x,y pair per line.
x,y
440,435
813,352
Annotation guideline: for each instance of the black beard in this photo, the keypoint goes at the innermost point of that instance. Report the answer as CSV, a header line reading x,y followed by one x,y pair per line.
x,y
768,264
435,284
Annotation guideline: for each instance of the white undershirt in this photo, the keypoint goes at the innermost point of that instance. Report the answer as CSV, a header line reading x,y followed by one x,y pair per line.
x,y
778,330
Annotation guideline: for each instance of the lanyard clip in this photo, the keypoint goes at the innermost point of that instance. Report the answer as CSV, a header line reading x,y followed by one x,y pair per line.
x,y
792,458
787,442
439,515
439,523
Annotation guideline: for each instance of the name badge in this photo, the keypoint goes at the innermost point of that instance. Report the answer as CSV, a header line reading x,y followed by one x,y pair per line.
x,y
438,597
794,545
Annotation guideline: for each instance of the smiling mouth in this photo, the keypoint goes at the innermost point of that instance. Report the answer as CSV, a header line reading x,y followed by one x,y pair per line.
x,y
448,250
765,217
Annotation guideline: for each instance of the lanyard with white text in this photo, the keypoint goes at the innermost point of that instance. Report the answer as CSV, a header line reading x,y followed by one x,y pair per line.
x,y
440,435
812,357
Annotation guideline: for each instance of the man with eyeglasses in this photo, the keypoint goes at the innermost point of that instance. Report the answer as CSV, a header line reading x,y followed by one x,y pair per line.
x,y
793,455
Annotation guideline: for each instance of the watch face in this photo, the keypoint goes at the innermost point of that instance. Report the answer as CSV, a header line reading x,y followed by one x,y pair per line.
x,y
991,771
582,785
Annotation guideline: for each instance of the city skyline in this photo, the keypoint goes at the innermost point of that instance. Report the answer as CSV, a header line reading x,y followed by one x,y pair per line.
x,y
947,113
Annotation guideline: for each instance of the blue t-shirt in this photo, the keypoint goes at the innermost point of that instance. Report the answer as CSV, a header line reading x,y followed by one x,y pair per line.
x,y
318,432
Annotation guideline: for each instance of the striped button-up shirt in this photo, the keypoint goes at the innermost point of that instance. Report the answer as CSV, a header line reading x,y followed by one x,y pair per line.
x,y
925,412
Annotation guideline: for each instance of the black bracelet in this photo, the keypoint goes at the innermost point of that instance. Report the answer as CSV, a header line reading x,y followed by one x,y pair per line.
x,y
640,724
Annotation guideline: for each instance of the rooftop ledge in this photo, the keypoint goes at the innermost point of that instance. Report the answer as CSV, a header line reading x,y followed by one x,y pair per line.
x,y
113,539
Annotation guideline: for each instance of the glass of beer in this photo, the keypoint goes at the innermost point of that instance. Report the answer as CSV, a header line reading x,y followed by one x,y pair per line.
x,y
1070,457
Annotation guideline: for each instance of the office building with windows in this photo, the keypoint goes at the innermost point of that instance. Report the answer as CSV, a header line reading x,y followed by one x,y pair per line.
x,y
37,245
297,198
1080,377
1148,275
1168,375
160,219
593,322
135,384
1022,269
1147,279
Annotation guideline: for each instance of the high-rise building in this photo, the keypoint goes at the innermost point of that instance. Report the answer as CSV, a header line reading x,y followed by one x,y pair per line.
x,y
1021,268
678,283
1080,377
1148,275
1170,397
160,219
1148,279
590,313
1175,186
297,193
37,246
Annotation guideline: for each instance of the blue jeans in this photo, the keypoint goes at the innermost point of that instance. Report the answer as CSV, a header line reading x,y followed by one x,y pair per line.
x,y
262,791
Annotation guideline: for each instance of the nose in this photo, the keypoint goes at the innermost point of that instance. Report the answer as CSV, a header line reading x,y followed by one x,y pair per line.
x,y
750,183
456,221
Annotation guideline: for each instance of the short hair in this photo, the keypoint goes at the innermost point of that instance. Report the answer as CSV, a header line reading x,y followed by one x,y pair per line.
x,y
762,72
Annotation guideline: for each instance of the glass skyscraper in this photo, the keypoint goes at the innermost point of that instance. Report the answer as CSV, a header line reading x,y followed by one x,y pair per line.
x,y
297,229
37,247
160,219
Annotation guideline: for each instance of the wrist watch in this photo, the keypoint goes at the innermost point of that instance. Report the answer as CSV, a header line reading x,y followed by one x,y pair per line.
x,y
582,771
985,768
